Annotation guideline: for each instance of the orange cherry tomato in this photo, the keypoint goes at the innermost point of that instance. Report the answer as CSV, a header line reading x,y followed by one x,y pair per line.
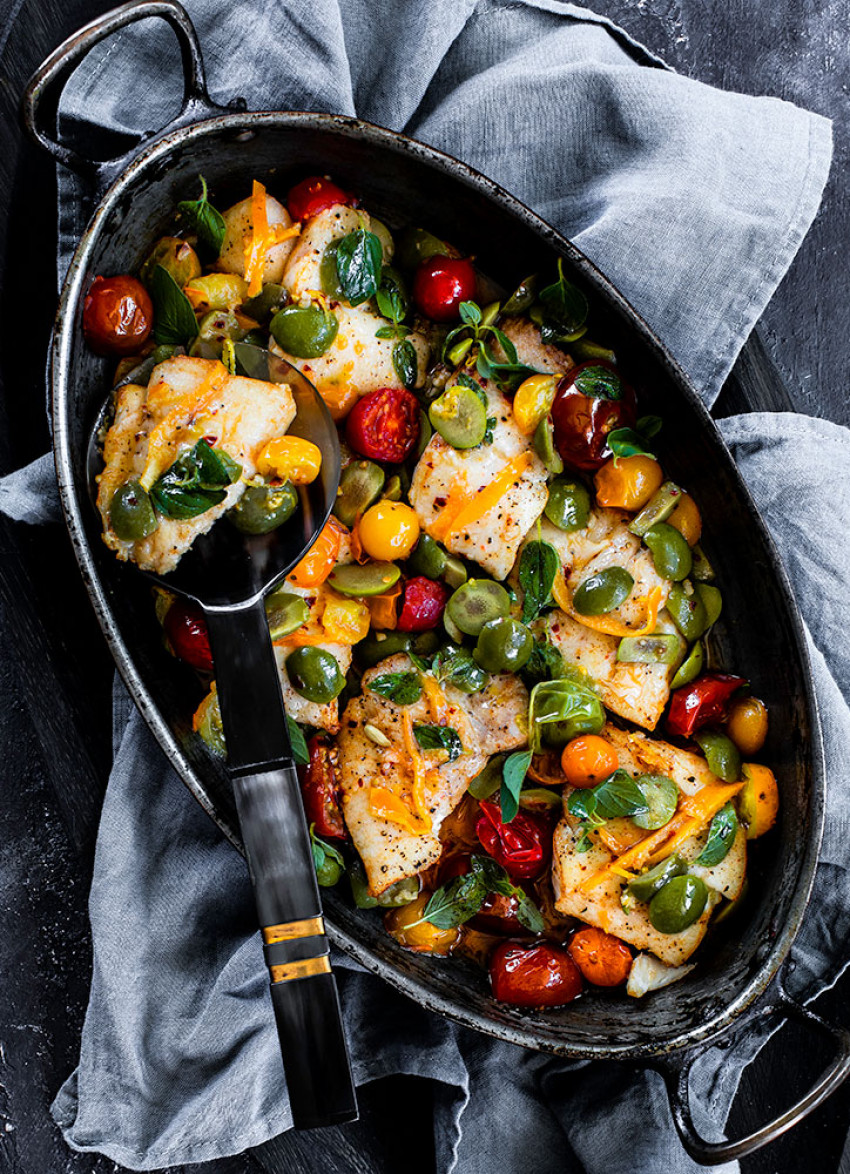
x,y
588,759
627,483
687,520
117,315
603,959
320,559
747,724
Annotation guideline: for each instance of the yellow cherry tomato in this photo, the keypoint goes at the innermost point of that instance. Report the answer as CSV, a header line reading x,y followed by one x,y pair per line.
x,y
533,401
747,724
627,483
389,530
291,459
346,621
321,558
423,937
758,799
686,519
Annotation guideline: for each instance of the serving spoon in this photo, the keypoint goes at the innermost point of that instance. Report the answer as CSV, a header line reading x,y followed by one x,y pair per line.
x,y
227,574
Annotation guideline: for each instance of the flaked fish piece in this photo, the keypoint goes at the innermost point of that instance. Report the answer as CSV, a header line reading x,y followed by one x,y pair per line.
x,y
448,484
187,399
533,351
486,722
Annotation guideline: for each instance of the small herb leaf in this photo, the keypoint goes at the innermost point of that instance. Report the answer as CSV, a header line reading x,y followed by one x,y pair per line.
x,y
513,775
400,688
538,566
201,217
456,902
404,362
599,383
195,482
175,323
721,836
440,738
297,741
358,265
564,309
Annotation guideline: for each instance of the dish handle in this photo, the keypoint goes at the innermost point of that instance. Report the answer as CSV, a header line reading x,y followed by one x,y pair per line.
x,y
41,97
676,1069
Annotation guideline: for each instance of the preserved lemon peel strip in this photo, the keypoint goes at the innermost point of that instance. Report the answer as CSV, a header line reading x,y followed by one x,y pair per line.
x,y
261,238
651,603
436,698
462,509
161,441
386,804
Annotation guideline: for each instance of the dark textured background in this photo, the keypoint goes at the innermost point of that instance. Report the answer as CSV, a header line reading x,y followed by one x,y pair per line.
x,y
55,673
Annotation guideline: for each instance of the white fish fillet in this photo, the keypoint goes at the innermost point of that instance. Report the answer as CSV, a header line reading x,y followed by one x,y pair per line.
x,y
238,223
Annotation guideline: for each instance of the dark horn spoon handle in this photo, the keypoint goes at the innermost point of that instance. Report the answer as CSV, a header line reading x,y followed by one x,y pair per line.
x,y
280,861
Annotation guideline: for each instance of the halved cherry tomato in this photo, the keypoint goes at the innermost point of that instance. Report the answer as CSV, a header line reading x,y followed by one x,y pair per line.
x,y
320,791
313,195
582,422
186,631
603,959
534,976
703,702
424,603
588,759
441,284
117,315
384,425
522,847
320,559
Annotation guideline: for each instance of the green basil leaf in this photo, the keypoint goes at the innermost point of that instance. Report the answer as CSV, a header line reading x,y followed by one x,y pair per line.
x,y
545,664
456,902
391,296
489,778
323,851
404,362
506,345
513,776
564,308
488,434
400,688
175,323
619,795
201,217
195,482
626,442
297,741
599,383
386,332
582,804
528,914
470,313
358,265
584,842
721,836
649,426
440,738
538,566
467,381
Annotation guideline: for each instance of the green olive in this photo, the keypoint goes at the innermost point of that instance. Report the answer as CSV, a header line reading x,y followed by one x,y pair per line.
x,y
219,325
415,245
690,668
583,350
660,648
688,610
393,490
403,891
208,724
285,613
522,298
265,305
679,904
370,579
425,434
427,558
314,673
329,871
703,570
476,603
455,572
384,236
671,555
328,273
503,646
658,509
645,886
721,754
662,797
360,486
131,514
162,352
363,899
262,508
568,506
460,417
602,592
176,256
304,331
544,446
456,667
372,651
712,601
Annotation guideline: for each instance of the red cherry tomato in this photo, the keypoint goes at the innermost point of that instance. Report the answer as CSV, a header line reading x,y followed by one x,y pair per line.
x,y
582,422
703,702
441,284
498,914
186,631
117,315
522,847
603,959
320,791
534,976
313,195
424,603
384,425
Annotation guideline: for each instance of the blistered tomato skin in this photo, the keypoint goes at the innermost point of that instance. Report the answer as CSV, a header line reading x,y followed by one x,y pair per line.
x,y
320,791
186,632
534,976
441,284
384,425
424,603
498,914
522,847
582,422
313,195
117,315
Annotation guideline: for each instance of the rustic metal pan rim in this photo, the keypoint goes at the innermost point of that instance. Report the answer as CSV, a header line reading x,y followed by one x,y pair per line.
x,y
158,149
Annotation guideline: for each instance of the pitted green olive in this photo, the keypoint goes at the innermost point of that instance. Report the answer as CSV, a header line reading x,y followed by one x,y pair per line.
x,y
686,607
679,904
460,417
504,646
219,325
131,514
602,592
661,796
262,508
372,651
360,486
285,613
476,603
416,245
304,331
315,674
544,446
176,256
645,886
265,305
671,555
712,601
568,506
690,668
427,558
721,754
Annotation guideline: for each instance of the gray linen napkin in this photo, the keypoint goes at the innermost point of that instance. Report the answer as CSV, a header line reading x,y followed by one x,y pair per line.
x,y
694,202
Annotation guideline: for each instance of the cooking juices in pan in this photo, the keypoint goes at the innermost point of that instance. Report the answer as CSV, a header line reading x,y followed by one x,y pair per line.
x,y
516,746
